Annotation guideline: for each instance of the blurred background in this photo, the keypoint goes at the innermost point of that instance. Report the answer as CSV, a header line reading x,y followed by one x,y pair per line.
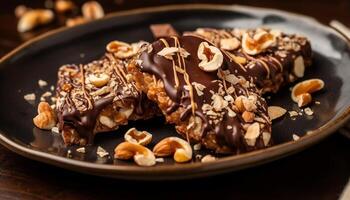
x,y
323,10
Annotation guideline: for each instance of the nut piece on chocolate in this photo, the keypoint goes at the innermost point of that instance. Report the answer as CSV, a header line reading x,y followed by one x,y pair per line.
x,y
268,57
216,108
98,97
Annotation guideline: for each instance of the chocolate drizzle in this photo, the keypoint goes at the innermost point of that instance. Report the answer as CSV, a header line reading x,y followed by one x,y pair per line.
x,y
80,103
84,122
162,68
270,69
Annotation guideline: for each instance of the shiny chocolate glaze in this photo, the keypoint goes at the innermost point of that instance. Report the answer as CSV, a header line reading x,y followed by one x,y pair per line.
x,y
270,69
180,95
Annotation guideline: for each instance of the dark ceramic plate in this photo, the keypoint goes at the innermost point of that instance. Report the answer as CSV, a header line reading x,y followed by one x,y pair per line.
x,y
40,59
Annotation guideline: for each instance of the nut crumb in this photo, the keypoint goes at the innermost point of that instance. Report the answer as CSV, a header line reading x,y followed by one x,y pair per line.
x,y
295,137
308,111
69,153
42,83
101,152
208,158
81,150
55,130
52,88
197,147
293,113
160,160
317,102
30,97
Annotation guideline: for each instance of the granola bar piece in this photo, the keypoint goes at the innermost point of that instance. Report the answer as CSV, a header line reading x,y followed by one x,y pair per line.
x,y
267,57
99,96
194,85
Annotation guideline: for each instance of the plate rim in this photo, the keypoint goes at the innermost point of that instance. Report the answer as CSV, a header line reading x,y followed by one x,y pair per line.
x,y
180,171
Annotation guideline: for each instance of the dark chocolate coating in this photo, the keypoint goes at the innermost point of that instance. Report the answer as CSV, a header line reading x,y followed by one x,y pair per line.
x,y
162,68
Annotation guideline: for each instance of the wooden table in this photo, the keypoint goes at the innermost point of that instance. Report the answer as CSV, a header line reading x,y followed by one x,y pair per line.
x,y
319,172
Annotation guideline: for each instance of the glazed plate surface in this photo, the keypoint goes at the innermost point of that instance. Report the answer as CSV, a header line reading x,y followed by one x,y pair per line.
x,y
40,58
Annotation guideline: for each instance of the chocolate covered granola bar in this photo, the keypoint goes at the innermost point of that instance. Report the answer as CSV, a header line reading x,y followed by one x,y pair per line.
x,y
267,57
99,96
195,86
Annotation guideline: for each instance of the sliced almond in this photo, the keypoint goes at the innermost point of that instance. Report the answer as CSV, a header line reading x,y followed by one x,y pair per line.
x,y
253,132
299,66
266,138
276,112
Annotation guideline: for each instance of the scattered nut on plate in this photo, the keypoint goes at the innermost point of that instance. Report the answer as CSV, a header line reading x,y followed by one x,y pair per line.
x,y
178,147
276,112
34,18
92,10
62,6
46,118
20,10
208,158
138,137
301,92
75,21
141,155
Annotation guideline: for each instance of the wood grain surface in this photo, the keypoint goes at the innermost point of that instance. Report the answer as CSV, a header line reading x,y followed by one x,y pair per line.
x,y
320,172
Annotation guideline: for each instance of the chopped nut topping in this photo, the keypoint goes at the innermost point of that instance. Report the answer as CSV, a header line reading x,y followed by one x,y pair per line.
x,y
210,56
107,121
219,103
229,44
258,43
252,134
168,52
99,80
248,116
266,138
199,88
